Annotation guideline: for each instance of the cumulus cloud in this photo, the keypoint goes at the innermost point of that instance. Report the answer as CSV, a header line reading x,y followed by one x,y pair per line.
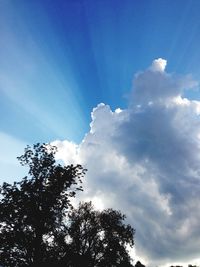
x,y
145,161
158,65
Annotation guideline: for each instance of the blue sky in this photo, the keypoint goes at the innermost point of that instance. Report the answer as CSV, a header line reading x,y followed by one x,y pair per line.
x,y
60,59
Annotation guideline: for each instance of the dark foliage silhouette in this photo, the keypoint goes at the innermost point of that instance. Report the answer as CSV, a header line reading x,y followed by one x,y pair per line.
x,y
39,226
32,211
139,264
99,238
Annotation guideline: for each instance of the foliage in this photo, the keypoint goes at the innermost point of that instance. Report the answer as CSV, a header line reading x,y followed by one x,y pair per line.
x,y
139,264
33,210
39,226
99,238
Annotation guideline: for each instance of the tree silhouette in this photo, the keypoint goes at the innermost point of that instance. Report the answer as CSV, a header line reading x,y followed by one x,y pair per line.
x,y
99,238
32,211
40,227
139,264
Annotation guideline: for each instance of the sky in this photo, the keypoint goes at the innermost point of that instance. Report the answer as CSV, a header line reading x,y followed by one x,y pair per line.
x,y
115,85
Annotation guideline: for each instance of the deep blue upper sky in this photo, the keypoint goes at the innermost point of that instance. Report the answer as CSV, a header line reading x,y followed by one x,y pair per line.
x,y
59,59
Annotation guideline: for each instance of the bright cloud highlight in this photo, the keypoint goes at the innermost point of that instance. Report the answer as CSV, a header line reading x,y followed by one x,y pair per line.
x,y
159,65
145,161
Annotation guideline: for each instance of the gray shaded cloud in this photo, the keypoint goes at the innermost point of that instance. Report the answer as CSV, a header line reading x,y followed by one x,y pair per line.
x,y
145,160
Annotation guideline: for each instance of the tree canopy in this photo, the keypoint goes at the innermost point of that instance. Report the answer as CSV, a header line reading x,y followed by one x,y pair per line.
x,y
40,227
99,238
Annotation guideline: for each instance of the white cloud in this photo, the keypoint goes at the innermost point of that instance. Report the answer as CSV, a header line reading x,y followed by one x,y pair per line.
x,y
159,65
72,155
145,160
156,86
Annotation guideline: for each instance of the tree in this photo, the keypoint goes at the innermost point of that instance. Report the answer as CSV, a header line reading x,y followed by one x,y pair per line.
x,y
40,227
139,264
33,211
99,239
